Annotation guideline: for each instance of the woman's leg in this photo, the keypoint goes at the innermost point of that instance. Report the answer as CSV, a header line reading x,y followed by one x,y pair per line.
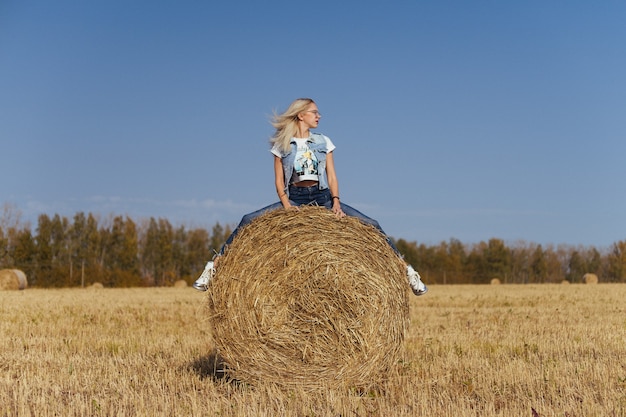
x,y
202,282
413,276
247,219
351,211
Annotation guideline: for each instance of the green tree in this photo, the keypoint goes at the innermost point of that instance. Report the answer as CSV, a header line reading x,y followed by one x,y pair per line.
x,y
9,229
25,251
42,274
556,263
179,253
218,237
423,258
476,264
161,255
77,247
3,248
84,245
92,266
520,264
59,243
455,265
593,259
538,265
576,267
616,260
198,252
166,253
497,260
149,254
449,258
408,251
121,258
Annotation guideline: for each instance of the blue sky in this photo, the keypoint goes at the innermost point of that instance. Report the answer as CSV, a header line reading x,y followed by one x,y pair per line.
x,y
452,119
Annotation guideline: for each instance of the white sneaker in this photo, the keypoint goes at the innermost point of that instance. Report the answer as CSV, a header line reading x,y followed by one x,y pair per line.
x,y
415,281
202,282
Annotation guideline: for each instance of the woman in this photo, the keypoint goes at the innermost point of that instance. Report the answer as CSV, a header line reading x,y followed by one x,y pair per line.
x,y
304,173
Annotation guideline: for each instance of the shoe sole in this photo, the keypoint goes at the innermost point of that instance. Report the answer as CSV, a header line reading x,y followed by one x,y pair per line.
x,y
422,292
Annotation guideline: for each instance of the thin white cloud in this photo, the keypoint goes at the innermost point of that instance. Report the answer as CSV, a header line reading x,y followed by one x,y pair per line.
x,y
193,211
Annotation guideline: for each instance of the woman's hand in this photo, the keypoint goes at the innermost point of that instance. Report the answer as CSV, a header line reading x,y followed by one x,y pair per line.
x,y
289,206
338,211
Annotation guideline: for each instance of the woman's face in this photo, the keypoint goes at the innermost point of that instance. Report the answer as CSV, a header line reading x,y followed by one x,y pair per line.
x,y
311,116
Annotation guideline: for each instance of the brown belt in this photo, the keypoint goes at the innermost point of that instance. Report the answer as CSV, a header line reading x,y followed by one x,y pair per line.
x,y
307,183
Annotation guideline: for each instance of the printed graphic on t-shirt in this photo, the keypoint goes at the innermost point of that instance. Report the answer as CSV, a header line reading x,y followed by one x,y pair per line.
x,y
305,165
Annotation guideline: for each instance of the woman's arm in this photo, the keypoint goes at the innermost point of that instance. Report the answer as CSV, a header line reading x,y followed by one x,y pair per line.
x,y
333,184
279,181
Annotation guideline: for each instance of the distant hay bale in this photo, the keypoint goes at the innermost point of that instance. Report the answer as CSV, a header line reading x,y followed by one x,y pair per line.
x,y
12,279
96,286
181,283
495,281
8,280
590,278
21,276
302,298
565,282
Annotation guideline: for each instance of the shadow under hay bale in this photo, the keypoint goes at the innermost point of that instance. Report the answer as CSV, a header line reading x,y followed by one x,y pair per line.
x,y
209,366
303,298
13,279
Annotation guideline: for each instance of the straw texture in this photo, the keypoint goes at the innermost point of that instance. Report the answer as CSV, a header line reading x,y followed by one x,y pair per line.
x,y
12,279
589,278
304,298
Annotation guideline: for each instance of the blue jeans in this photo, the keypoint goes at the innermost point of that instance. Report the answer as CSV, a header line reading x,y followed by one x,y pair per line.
x,y
301,196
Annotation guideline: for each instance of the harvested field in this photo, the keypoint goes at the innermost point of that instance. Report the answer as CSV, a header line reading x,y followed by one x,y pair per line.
x,y
491,350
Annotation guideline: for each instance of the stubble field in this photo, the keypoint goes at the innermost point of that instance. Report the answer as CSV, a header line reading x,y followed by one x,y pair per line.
x,y
502,350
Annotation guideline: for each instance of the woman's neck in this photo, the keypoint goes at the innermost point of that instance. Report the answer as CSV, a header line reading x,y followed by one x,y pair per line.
x,y
303,135
302,130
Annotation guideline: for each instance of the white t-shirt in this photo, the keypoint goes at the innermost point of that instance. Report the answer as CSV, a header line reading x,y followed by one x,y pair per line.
x,y
305,164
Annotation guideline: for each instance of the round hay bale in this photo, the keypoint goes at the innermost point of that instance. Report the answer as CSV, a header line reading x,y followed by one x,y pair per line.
x,y
495,281
302,298
21,276
590,278
565,282
181,283
96,286
9,280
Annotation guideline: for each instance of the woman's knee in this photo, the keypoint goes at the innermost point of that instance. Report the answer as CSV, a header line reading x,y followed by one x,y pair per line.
x,y
248,218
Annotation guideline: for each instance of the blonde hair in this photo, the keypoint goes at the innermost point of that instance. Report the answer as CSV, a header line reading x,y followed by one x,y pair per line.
x,y
286,123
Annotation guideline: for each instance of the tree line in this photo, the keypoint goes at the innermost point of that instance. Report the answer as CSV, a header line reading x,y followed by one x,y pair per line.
x,y
120,252
453,262
115,251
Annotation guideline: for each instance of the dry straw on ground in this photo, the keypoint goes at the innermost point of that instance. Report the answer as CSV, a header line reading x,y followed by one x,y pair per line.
x,y
303,298
470,351
12,279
